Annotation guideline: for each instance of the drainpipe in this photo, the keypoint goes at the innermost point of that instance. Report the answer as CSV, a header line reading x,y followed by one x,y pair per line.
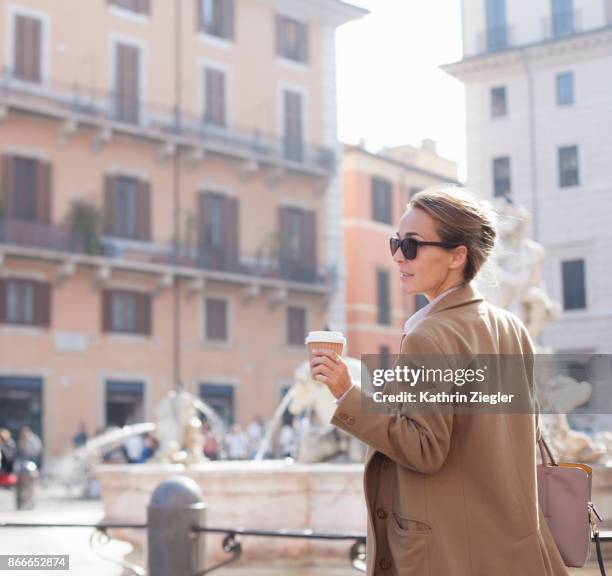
x,y
176,177
535,219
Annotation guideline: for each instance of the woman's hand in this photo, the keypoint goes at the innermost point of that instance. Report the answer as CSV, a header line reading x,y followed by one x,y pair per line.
x,y
330,369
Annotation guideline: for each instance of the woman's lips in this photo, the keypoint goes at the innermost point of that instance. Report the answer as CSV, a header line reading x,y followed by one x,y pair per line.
x,y
404,275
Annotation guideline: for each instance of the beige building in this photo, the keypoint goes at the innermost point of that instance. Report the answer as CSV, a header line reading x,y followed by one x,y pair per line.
x,y
376,189
169,205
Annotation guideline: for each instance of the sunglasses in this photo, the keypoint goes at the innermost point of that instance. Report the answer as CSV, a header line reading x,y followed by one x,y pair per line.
x,y
410,246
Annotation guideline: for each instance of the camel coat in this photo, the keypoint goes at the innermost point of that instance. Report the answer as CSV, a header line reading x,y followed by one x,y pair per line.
x,y
453,494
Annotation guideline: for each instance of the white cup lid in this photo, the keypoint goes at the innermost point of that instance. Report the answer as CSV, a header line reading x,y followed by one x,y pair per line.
x,y
325,336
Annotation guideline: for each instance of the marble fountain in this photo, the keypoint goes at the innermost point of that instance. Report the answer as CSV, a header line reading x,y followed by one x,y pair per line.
x,y
314,492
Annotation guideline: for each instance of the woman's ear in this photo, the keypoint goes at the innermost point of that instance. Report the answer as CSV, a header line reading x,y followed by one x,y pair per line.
x,y
459,256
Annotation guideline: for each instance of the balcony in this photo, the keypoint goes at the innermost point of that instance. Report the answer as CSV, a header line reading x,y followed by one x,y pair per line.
x,y
108,111
561,24
495,39
41,241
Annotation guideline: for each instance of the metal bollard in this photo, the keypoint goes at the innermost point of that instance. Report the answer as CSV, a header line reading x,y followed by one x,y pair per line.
x,y
172,549
24,490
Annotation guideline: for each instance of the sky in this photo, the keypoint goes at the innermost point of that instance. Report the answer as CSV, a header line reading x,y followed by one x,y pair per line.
x,y
390,89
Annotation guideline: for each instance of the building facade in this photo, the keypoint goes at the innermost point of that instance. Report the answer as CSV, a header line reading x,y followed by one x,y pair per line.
x,y
376,189
169,199
539,97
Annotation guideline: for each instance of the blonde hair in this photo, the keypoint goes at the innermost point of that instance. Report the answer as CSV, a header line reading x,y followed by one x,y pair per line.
x,y
461,220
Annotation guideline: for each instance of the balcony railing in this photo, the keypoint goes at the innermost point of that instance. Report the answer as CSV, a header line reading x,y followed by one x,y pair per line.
x,y
561,24
129,113
59,239
495,39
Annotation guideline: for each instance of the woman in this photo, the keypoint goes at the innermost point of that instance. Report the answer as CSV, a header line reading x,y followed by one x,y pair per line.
x,y
447,494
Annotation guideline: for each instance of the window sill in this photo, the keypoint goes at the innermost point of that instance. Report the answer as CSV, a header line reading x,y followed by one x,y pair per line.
x,y
20,330
128,337
217,344
217,41
293,64
125,14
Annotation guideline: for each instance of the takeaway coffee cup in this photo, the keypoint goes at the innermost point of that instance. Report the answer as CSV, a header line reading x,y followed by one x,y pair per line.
x,y
325,339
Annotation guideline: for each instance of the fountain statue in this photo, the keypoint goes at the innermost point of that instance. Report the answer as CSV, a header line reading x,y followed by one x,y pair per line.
x,y
322,441
517,263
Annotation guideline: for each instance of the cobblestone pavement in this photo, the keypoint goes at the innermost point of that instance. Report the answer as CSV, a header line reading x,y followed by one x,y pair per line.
x,y
55,505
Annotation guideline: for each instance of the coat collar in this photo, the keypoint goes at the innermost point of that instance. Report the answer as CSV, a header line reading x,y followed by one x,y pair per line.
x,y
467,294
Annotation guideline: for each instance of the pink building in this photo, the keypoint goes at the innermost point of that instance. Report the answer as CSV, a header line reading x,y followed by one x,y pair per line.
x,y
168,202
376,188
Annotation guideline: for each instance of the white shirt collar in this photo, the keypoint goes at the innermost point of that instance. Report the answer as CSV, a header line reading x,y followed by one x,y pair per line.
x,y
411,323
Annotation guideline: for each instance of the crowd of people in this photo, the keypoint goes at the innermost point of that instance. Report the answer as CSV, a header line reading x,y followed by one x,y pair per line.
x,y
236,443
27,448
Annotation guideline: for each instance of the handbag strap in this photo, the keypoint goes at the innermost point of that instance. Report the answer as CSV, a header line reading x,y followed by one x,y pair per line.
x,y
545,450
593,512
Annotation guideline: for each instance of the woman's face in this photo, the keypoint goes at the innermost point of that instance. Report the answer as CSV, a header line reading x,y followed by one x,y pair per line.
x,y
435,268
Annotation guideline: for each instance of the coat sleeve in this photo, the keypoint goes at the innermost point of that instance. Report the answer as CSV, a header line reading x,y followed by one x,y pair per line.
x,y
417,439
529,351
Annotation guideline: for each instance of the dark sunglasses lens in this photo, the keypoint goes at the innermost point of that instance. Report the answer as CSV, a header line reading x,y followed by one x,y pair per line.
x,y
394,244
409,248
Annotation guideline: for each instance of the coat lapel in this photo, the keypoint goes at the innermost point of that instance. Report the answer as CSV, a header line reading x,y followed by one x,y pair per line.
x,y
467,294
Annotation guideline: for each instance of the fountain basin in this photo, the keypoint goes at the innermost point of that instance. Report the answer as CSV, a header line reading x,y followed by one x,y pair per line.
x,y
261,495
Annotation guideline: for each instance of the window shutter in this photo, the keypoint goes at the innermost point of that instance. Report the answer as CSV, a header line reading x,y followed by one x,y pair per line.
x,y
43,192
42,304
285,232
203,228
143,211
199,16
309,241
303,42
109,204
230,232
2,300
107,306
35,46
143,314
228,19
8,184
20,47
279,35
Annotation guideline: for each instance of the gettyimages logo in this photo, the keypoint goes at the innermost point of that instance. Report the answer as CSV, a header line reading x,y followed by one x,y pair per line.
x,y
546,383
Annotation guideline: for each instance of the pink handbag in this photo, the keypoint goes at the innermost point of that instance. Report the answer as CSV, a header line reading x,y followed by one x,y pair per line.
x,y
564,494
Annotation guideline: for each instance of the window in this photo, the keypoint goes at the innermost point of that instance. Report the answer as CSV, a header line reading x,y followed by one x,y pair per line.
x,y
218,231
216,319
565,89
25,302
293,125
26,183
216,18
215,92
126,311
383,357
562,17
381,200
21,404
298,243
127,83
128,208
124,403
291,39
497,29
574,292
568,166
498,102
501,176
296,325
383,297
220,397
137,6
27,49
